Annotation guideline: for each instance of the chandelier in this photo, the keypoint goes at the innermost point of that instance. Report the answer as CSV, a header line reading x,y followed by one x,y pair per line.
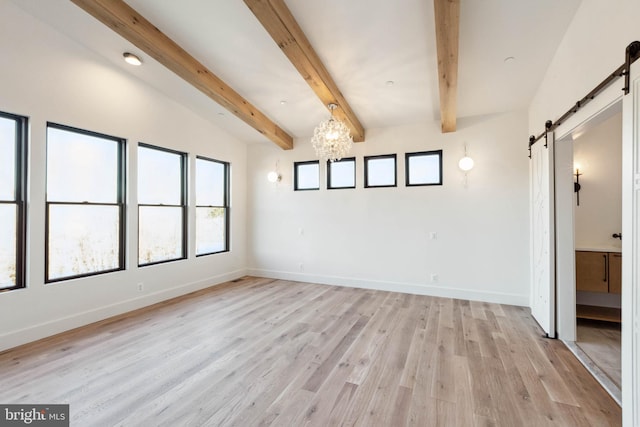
x,y
331,138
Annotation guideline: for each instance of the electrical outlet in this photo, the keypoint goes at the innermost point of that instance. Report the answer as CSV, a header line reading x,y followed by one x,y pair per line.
x,y
434,277
140,287
301,231
301,266
433,235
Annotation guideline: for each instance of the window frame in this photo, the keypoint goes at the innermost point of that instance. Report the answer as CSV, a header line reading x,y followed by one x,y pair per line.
x,y
226,207
381,156
184,158
295,175
120,203
407,156
19,198
344,160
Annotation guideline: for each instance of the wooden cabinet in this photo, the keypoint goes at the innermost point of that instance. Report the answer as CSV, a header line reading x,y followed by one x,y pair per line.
x,y
598,271
591,271
615,273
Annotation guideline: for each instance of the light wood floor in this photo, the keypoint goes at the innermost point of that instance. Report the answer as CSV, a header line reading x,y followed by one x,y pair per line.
x,y
602,342
268,352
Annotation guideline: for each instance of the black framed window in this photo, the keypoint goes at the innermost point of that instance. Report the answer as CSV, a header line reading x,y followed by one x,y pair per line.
x,y
212,206
380,171
306,175
85,225
423,168
341,173
162,205
13,155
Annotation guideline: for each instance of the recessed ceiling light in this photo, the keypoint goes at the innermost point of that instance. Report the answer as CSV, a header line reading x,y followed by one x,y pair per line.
x,y
509,59
132,59
283,102
390,83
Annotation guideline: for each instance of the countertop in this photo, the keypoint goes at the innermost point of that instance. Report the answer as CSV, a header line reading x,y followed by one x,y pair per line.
x,y
599,249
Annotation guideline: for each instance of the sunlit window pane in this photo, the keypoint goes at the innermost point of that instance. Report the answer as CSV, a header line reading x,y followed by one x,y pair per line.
x,y
380,171
307,176
342,174
424,168
210,183
82,239
81,167
8,235
160,233
7,159
211,230
84,203
159,177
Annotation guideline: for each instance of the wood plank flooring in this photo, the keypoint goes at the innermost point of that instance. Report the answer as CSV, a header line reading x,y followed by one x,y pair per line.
x,y
602,342
265,352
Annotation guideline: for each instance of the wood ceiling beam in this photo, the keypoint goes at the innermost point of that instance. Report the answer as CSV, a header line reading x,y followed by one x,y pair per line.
x,y
447,15
124,20
276,18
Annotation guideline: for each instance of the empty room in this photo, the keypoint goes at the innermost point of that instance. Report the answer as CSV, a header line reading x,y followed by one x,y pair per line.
x,y
319,213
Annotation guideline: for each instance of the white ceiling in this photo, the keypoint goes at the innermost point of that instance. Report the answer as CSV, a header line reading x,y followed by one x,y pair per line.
x,y
363,44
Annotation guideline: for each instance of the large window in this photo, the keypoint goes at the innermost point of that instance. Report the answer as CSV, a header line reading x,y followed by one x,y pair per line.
x,y
13,146
212,206
162,205
85,203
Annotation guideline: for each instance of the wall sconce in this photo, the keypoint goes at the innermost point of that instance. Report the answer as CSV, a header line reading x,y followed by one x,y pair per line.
x,y
577,186
274,176
465,164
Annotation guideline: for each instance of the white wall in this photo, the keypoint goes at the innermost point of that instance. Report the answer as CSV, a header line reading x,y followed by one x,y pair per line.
x,y
379,237
592,48
598,152
47,77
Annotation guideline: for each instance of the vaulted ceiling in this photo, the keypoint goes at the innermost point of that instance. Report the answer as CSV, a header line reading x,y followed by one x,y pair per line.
x,y
381,55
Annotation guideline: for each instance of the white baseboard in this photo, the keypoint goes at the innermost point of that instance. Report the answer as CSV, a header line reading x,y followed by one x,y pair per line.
x,y
53,327
409,288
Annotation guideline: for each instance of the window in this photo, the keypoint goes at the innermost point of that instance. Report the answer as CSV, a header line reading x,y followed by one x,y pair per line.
x,y
341,174
85,203
306,175
162,205
212,206
380,171
423,168
13,147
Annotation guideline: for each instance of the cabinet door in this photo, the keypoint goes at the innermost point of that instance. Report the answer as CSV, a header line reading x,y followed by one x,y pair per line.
x,y
615,273
591,271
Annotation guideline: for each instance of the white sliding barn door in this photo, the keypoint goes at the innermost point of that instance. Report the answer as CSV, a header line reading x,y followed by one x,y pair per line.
x,y
631,252
542,235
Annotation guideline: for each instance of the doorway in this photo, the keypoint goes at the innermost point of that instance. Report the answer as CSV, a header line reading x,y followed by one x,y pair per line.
x,y
589,167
